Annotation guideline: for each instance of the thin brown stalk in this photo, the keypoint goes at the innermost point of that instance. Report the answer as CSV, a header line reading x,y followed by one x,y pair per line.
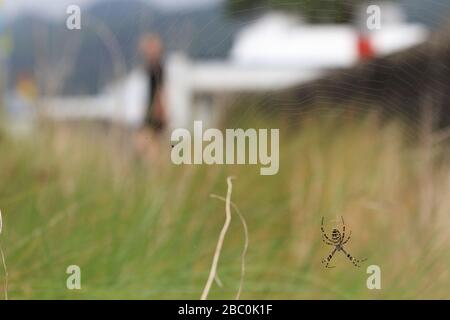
x,y
244,251
213,271
426,161
4,261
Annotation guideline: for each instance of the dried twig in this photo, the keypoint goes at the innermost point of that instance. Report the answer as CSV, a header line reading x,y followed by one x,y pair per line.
x,y
244,251
223,232
3,260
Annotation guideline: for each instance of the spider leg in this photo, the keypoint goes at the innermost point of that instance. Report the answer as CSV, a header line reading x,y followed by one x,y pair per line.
x,y
343,227
327,242
323,232
355,262
349,236
328,259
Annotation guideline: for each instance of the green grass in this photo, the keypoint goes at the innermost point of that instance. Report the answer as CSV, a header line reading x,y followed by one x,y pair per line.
x,y
142,230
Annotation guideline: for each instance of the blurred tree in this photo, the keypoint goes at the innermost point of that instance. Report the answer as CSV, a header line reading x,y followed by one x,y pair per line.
x,y
315,11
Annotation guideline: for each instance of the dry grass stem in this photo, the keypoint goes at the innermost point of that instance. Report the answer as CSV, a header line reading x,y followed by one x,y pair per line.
x,y
4,261
244,251
223,232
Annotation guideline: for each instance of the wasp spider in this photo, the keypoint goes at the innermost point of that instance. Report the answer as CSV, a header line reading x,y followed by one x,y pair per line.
x,y
337,240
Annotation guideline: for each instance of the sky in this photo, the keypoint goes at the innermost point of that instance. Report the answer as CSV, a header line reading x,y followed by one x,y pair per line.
x,y
57,8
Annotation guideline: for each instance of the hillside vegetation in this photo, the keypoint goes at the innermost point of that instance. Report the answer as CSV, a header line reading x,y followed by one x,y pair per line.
x,y
148,230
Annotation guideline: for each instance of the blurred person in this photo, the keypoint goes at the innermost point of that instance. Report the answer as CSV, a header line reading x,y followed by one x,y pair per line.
x,y
26,87
21,104
151,50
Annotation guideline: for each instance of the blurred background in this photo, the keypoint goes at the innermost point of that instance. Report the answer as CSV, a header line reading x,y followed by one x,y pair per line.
x,y
85,122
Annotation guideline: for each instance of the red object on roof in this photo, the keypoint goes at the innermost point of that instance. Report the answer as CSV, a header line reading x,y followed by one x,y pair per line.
x,y
365,48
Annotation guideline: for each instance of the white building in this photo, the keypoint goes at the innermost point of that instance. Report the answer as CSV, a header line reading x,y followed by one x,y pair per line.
x,y
275,52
